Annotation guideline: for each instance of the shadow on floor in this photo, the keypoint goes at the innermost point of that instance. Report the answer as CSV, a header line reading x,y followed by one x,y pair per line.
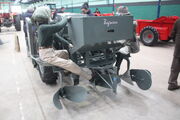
x,y
104,101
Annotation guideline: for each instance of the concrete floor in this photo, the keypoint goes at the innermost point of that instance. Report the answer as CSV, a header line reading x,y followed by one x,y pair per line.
x,y
24,97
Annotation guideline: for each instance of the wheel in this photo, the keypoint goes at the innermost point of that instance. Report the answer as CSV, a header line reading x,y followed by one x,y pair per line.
x,y
149,36
47,75
17,22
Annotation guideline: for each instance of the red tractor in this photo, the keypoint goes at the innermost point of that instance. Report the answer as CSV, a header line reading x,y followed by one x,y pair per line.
x,y
150,31
9,19
10,16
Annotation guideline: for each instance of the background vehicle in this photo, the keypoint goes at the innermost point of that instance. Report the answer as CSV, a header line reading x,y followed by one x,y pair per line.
x,y
9,19
10,16
150,31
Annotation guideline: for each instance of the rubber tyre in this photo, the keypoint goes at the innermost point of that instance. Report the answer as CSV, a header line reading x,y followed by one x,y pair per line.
x,y
47,75
149,36
17,22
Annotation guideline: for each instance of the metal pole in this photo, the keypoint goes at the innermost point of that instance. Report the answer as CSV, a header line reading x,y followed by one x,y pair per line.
x,y
9,7
113,7
107,2
61,3
159,8
72,5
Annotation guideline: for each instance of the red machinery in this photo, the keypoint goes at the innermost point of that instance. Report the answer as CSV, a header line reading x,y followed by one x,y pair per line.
x,y
7,19
152,30
105,14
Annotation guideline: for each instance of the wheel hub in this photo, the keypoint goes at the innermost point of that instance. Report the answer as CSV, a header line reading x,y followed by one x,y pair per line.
x,y
148,36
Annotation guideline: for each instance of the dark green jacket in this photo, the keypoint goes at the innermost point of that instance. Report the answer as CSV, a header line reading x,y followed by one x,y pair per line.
x,y
47,31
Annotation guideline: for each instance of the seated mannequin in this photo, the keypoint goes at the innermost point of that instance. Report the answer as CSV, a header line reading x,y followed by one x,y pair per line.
x,y
60,58
130,45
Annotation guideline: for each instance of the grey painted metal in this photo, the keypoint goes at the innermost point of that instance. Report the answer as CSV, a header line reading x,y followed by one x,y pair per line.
x,y
87,33
56,97
56,100
72,93
127,77
75,93
142,78
106,80
95,45
32,41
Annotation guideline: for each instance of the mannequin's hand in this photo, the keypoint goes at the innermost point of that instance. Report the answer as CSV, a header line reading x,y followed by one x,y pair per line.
x,y
70,45
124,50
69,18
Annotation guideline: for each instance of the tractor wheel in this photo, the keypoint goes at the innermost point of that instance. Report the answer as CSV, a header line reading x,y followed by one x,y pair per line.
x,y
47,75
17,22
149,36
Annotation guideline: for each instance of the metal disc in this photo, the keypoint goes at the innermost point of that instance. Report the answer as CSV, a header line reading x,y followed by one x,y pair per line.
x,y
75,93
142,78
56,100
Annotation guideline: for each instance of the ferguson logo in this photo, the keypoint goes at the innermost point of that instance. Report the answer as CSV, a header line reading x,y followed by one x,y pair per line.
x,y
108,23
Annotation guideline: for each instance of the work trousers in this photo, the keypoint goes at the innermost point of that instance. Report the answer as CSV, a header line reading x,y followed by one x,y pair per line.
x,y
175,69
61,59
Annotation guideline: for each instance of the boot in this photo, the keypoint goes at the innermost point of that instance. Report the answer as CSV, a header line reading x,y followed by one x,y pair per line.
x,y
173,87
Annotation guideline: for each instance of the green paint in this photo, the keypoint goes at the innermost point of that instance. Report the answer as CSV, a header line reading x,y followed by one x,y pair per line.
x,y
150,12
141,12
170,10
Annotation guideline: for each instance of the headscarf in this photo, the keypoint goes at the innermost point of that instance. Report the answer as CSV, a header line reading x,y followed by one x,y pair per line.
x,y
122,10
85,6
42,13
